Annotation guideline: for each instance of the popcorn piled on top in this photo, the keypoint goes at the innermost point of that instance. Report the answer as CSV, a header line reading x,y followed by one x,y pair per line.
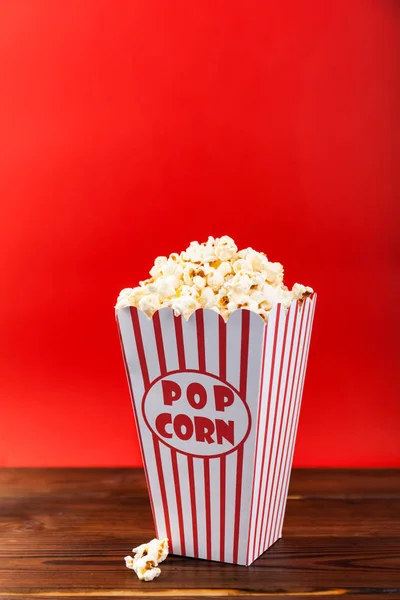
x,y
146,559
213,275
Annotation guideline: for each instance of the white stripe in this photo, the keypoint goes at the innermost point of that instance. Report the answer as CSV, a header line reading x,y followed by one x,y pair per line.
x,y
198,473
169,338
233,346
133,365
231,464
171,497
190,342
215,486
182,462
149,345
211,341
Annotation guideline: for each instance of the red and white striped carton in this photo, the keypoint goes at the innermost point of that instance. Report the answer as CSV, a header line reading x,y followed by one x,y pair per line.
x,y
217,406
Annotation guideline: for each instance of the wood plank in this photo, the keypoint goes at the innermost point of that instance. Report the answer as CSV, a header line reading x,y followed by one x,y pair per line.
x,y
292,564
64,533
107,482
326,483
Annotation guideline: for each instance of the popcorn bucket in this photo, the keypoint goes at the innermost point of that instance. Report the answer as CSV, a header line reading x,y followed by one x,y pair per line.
x,y
217,406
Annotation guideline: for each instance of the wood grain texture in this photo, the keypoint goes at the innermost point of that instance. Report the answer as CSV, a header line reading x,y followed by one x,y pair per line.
x,y
64,533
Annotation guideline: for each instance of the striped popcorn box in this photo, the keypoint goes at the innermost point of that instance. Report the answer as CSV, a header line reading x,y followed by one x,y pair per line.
x,y
217,406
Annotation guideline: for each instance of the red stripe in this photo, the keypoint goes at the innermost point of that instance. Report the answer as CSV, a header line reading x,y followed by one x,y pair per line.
x,y
178,500
193,506
257,532
288,461
243,389
140,347
208,505
280,427
179,342
222,497
222,349
160,473
222,509
280,480
256,446
200,340
159,342
138,430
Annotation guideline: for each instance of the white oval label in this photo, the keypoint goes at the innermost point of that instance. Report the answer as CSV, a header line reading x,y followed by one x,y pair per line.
x,y
196,413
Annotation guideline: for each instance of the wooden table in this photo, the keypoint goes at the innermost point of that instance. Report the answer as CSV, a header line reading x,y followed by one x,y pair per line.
x,y
64,533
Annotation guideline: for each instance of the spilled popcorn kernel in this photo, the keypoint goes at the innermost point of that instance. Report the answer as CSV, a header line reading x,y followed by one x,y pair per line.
x,y
157,548
146,568
215,275
129,562
146,559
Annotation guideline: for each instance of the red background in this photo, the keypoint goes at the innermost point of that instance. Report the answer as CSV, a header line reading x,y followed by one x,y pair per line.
x,y
130,128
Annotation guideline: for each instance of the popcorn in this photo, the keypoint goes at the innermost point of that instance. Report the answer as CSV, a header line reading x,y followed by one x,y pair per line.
x,y
214,275
146,559
274,273
130,296
200,253
157,548
129,562
271,294
167,286
225,268
249,303
146,568
240,285
225,248
172,267
156,271
189,272
199,282
207,298
215,280
184,305
149,304
123,298
257,296
241,265
300,291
